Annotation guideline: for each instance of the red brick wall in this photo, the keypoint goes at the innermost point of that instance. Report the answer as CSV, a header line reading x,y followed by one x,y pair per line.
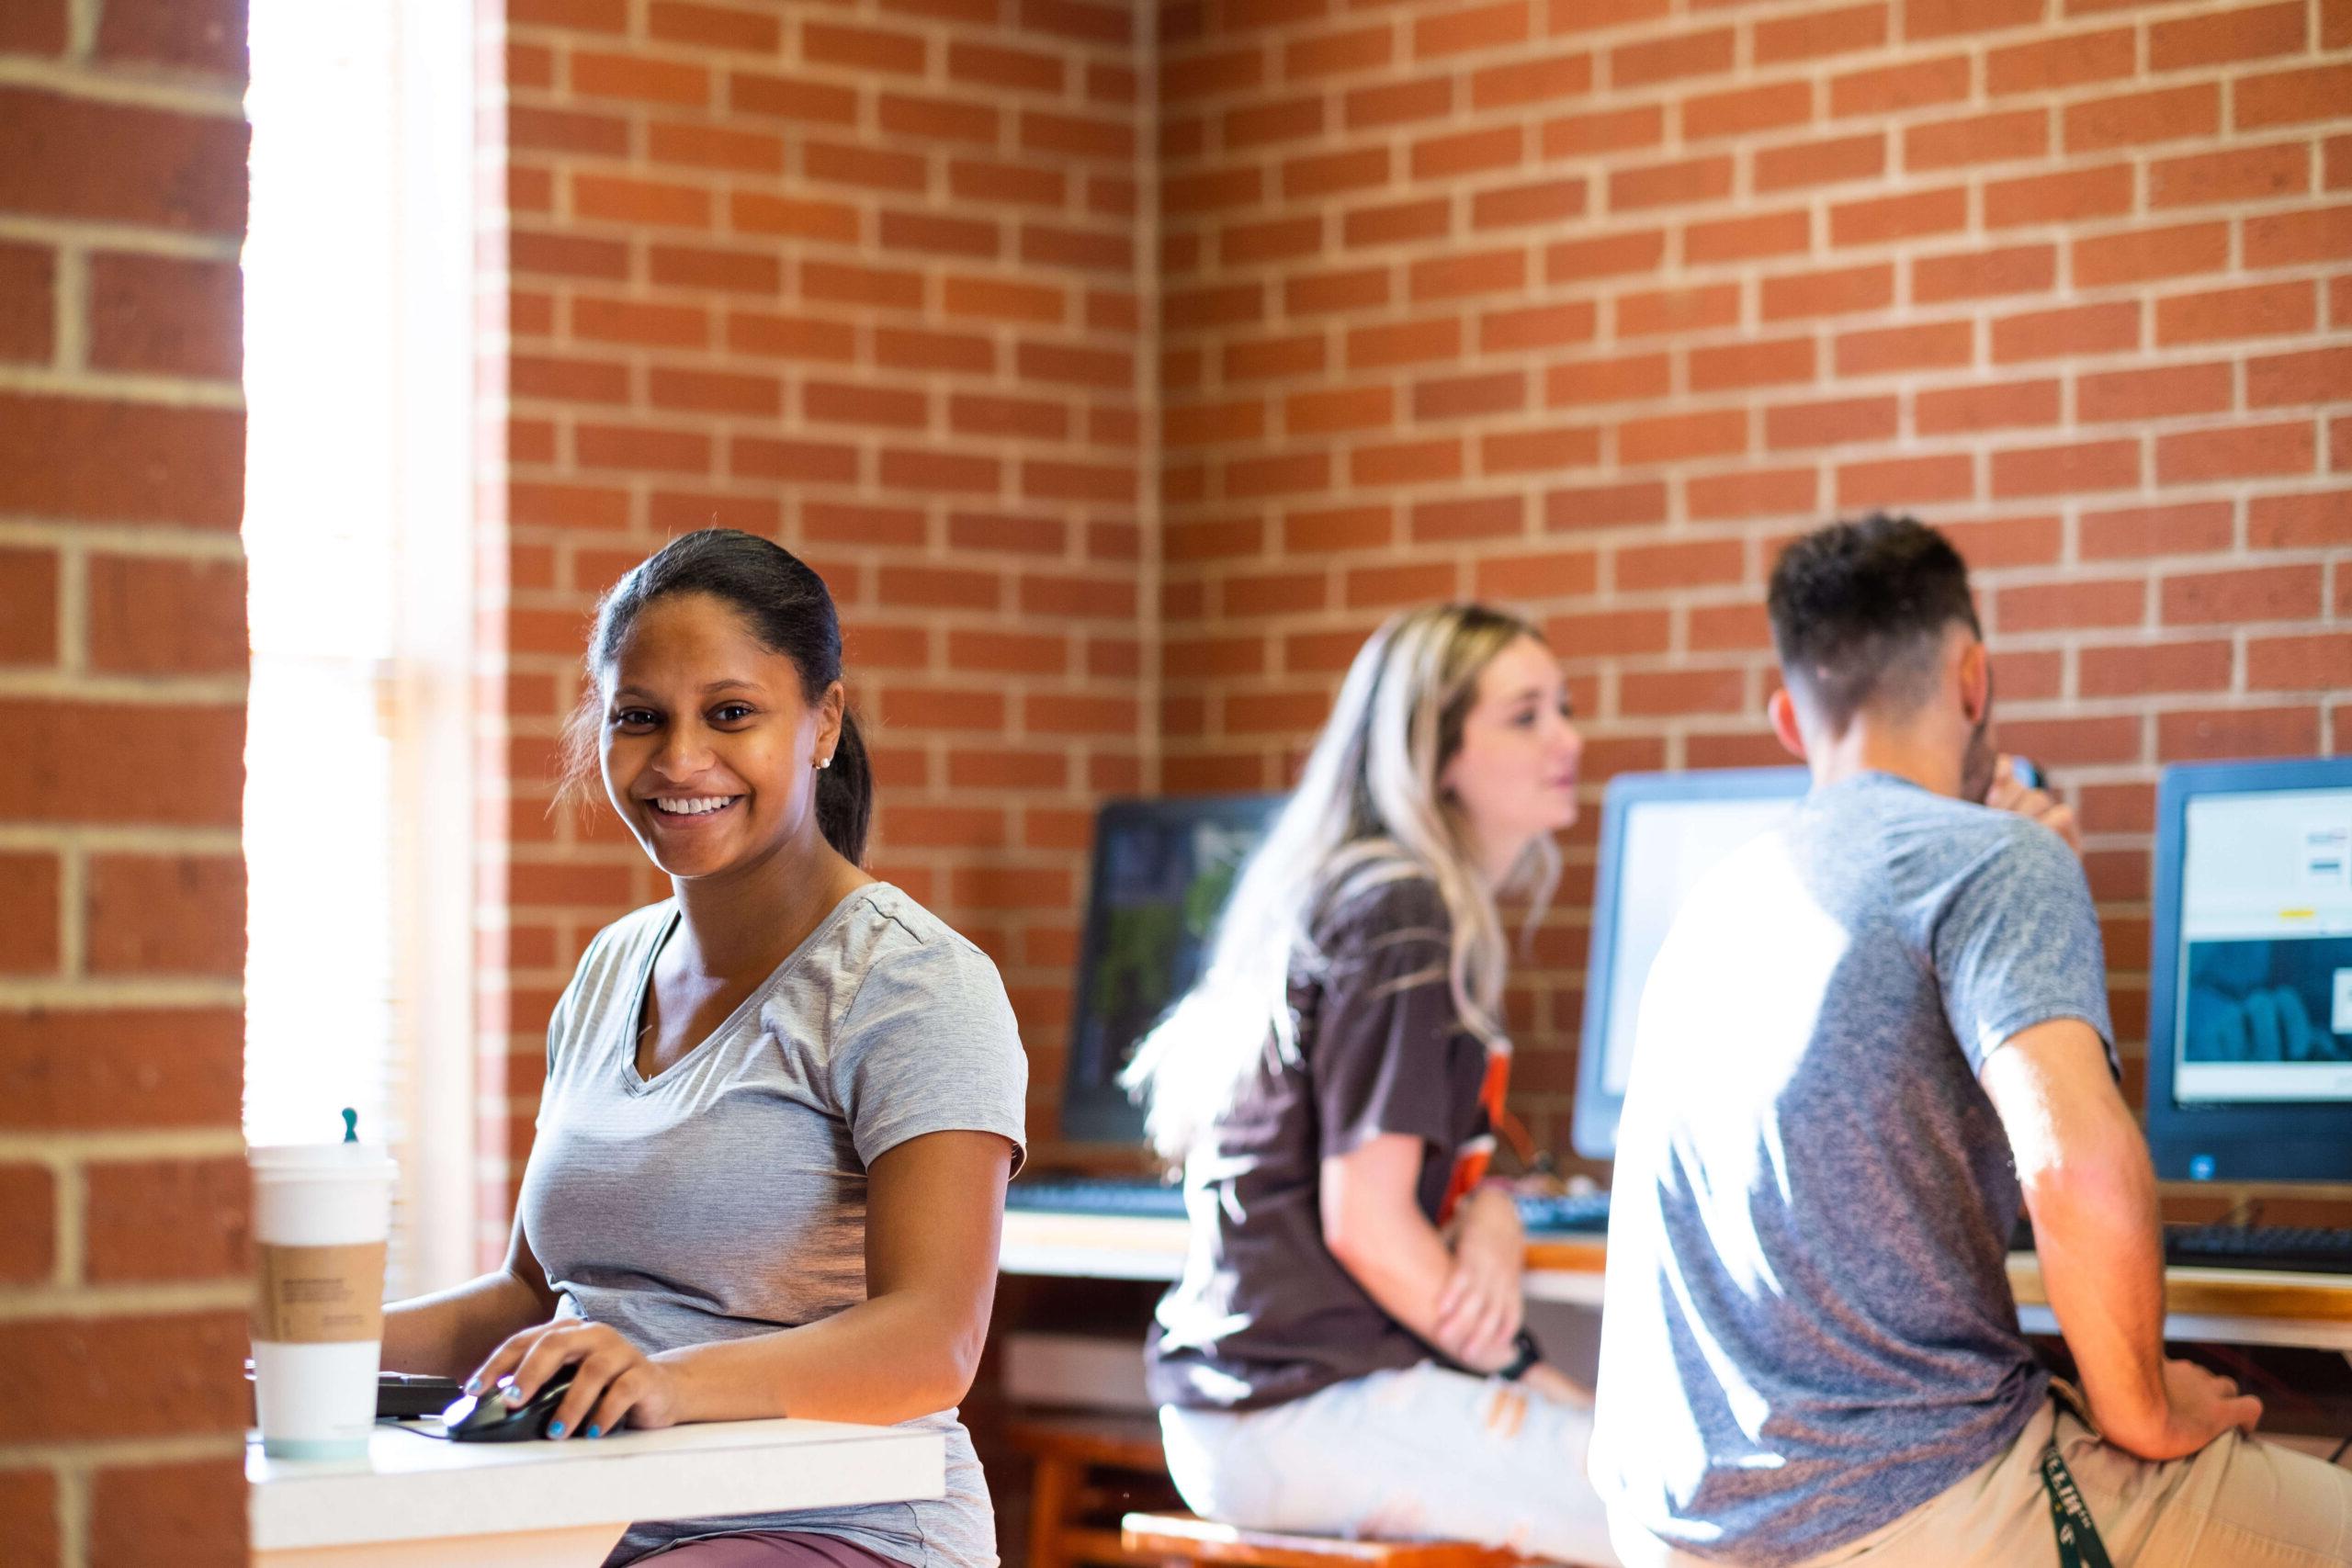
x,y
123,1278
1582,305
866,278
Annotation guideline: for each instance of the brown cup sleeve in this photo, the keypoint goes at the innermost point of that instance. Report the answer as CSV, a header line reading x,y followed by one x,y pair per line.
x,y
319,1295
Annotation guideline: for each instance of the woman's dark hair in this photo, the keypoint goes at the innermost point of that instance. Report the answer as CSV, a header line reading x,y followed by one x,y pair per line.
x,y
1858,610
790,611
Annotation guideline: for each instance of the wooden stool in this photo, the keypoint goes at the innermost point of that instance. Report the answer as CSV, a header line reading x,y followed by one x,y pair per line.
x,y
1182,1539
1071,1504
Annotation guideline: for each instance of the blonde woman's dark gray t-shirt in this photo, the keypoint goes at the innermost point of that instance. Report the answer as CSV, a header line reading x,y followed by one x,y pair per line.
x,y
726,1196
1264,1314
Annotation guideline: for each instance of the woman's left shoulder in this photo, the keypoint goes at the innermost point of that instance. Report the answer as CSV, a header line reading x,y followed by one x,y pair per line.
x,y
926,1040
890,923
894,940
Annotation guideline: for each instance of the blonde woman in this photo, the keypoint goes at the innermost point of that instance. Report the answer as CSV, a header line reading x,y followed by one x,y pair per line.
x,y
1344,1353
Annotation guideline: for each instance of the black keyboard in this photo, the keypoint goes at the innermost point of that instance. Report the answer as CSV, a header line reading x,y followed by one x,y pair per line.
x,y
1136,1197
1580,1214
406,1394
2302,1249
1571,1214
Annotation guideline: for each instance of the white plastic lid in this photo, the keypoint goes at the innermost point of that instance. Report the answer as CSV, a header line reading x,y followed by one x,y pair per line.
x,y
313,1162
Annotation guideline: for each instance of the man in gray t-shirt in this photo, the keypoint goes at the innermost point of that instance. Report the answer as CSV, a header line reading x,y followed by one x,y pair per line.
x,y
1871,1035
1814,1241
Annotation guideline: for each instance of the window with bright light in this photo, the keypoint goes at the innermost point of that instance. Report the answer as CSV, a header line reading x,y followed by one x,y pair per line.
x,y
359,483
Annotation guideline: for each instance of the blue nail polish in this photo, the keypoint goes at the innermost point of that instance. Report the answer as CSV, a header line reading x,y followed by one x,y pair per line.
x,y
555,1428
473,1385
594,1432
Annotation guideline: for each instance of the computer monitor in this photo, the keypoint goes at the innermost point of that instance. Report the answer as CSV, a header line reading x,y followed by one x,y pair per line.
x,y
2250,982
1163,870
1659,834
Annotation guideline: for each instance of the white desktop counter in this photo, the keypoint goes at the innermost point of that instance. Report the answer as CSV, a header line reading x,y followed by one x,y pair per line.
x,y
2232,1306
416,1500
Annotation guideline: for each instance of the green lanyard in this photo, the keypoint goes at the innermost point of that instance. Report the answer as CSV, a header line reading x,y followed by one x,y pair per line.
x,y
2078,1542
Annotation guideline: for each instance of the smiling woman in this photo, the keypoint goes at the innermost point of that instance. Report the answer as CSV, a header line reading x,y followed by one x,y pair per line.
x,y
781,1106
761,625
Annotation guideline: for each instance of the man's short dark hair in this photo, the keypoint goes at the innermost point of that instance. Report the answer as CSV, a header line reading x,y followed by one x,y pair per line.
x,y
1859,611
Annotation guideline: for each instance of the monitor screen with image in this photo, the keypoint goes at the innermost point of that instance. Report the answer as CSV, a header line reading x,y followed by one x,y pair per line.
x,y
1659,834
1163,870
2250,1056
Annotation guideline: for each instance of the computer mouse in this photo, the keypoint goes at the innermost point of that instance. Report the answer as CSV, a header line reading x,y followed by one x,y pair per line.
x,y
498,1416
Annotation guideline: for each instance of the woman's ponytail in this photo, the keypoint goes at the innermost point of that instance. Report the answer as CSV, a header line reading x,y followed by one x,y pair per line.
x,y
845,793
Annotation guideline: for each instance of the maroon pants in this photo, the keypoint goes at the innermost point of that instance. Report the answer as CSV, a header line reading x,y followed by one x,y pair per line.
x,y
770,1549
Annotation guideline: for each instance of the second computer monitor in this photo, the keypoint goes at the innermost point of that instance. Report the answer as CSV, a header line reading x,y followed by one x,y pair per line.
x,y
1659,834
2250,982
1163,870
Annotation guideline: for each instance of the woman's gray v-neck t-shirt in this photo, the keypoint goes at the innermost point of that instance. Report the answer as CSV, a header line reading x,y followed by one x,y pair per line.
x,y
726,1196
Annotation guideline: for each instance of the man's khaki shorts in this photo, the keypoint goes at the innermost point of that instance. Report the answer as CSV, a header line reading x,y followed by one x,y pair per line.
x,y
2238,1503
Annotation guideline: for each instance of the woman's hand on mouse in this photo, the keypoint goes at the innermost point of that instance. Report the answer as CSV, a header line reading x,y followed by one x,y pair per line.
x,y
613,1380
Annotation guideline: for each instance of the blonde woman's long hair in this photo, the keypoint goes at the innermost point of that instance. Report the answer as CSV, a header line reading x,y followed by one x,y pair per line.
x,y
1368,811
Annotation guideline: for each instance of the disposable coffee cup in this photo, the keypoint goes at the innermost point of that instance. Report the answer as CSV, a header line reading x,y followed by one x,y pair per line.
x,y
322,1213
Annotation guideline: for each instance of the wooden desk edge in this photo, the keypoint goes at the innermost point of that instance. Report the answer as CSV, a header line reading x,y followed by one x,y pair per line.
x,y
2220,1293
1578,1255
2211,1293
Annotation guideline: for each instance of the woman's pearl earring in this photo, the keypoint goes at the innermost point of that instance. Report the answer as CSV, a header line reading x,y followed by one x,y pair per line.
x,y
825,762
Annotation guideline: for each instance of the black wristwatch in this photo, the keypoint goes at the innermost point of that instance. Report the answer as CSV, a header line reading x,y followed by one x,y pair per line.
x,y
1525,1353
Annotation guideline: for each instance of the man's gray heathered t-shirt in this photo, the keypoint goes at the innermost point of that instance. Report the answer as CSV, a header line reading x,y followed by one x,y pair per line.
x,y
726,1196
1808,1330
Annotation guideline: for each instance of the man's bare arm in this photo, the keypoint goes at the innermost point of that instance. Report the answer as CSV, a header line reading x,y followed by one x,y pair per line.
x,y
2092,1193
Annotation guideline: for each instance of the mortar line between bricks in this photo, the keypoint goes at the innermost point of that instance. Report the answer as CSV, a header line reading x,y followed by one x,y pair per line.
x,y
117,993
126,237
97,1303
73,1514
72,1220
100,838
191,1143
92,84
73,610
70,304
93,1453
175,540
72,896
155,390
82,27
159,690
